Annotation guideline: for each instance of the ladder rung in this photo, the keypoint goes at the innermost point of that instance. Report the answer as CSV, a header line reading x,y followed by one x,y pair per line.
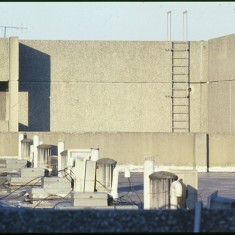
x,y
180,50
179,97
179,58
180,73
180,104
180,81
177,89
180,66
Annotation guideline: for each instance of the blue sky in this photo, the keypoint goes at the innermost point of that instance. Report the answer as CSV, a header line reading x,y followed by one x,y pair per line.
x,y
125,21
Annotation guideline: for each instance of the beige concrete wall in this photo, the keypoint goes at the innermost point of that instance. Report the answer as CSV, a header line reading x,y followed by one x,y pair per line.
x,y
221,73
168,149
221,150
4,59
219,112
126,148
4,76
13,84
9,67
8,143
106,86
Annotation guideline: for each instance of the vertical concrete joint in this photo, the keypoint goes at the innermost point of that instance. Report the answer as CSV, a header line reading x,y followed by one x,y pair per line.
x,y
13,83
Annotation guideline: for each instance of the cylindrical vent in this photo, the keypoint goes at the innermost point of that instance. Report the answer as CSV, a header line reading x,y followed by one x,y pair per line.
x,y
160,183
104,174
44,153
25,148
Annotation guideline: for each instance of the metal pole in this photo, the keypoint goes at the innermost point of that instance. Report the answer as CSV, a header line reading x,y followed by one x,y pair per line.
x,y
185,25
169,24
9,27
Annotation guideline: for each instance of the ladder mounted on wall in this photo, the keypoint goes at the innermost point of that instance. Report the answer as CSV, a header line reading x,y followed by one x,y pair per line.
x,y
180,92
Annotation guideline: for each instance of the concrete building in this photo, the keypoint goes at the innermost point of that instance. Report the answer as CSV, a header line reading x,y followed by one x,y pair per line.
x,y
127,98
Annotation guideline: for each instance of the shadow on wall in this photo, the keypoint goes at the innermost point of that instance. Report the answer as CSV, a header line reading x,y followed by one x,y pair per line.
x,y
34,78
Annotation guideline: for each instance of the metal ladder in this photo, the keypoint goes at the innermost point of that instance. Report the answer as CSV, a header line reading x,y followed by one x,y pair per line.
x,y
180,92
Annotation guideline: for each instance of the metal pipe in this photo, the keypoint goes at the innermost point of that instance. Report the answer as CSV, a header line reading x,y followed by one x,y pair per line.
x,y
185,25
169,24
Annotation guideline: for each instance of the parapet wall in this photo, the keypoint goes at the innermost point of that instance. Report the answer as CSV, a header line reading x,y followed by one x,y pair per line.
x,y
221,73
177,151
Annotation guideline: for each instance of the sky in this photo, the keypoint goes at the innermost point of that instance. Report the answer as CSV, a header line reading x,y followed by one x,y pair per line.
x,y
121,21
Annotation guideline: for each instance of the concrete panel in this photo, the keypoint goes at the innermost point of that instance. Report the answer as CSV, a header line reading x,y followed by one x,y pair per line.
x,y
198,61
56,183
13,83
32,172
219,119
33,181
131,148
4,125
126,83
89,199
200,148
8,143
221,67
221,149
122,107
221,63
195,108
4,59
169,149
204,107
35,106
48,192
16,163
23,109
3,99
106,61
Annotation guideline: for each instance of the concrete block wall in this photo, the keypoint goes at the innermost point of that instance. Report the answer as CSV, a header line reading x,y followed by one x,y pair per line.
x,y
202,151
126,148
221,74
104,86
9,66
